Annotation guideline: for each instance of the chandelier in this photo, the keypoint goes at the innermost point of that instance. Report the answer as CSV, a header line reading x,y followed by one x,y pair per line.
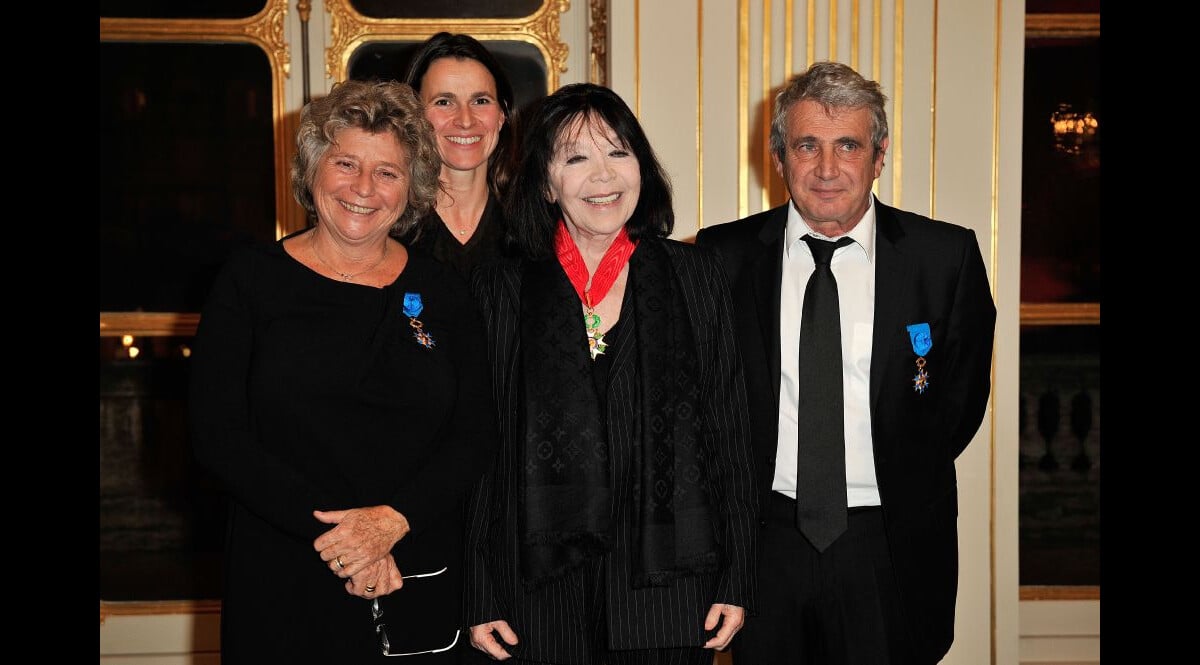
x,y
1073,131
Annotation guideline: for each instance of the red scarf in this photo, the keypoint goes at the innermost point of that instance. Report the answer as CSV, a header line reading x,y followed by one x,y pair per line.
x,y
614,259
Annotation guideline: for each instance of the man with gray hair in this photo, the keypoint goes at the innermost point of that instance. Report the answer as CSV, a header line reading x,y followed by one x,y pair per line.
x,y
866,333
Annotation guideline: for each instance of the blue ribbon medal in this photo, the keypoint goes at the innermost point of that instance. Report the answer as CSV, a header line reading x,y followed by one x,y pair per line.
x,y
412,309
922,342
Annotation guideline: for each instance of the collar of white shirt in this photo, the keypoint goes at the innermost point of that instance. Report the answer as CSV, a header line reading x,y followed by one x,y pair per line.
x,y
863,233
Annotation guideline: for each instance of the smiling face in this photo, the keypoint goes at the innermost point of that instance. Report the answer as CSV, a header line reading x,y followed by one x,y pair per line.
x,y
829,164
594,178
361,185
460,102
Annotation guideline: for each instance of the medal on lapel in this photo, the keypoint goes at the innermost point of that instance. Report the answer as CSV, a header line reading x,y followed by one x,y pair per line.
x,y
922,342
412,309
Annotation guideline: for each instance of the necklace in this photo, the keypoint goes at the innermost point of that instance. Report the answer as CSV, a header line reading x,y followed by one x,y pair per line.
x,y
611,263
346,276
463,230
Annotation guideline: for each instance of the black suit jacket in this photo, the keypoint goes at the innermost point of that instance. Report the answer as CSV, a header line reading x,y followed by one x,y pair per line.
x,y
547,619
925,271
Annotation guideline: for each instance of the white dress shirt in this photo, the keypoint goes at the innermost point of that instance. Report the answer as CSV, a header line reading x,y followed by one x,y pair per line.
x,y
854,268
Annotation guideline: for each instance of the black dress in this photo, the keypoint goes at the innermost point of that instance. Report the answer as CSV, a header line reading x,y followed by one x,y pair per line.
x,y
483,245
309,393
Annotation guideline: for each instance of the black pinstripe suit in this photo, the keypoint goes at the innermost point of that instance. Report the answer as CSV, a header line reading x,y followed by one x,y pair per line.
x,y
549,621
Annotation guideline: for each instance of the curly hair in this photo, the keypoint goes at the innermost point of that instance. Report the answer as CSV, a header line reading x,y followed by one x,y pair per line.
x,y
374,107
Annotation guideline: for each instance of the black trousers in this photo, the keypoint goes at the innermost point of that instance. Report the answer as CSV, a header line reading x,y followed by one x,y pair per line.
x,y
682,656
837,607
594,593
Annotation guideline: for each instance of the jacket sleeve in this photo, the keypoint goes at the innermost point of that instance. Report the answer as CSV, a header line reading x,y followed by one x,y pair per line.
x,y
971,332
728,433
486,501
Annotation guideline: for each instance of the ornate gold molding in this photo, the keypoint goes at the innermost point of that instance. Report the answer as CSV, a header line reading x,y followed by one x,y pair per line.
x,y
1060,593
1062,25
349,29
157,607
598,29
1060,314
148,324
265,30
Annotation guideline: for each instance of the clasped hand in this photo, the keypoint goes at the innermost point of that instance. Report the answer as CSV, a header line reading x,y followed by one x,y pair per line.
x,y
358,548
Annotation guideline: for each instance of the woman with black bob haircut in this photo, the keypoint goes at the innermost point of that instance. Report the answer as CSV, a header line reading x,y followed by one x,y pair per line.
x,y
550,117
617,524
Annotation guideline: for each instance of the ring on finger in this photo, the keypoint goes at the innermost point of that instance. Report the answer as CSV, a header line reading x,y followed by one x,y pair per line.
x,y
338,561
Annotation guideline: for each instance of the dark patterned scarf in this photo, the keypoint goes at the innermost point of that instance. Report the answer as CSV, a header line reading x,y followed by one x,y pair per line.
x,y
567,489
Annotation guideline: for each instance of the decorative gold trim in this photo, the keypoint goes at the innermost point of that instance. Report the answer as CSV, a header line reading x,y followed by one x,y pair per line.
x,y
110,608
833,16
994,257
1060,314
854,20
149,324
699,114
598,32
877,39
810,36
1062,25
743,108
1060,593
789,34
304,9
349,29
765,190
265,30
994,203
897,143
637,58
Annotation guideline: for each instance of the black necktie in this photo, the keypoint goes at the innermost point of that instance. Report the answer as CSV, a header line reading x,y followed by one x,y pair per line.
x,y
821,456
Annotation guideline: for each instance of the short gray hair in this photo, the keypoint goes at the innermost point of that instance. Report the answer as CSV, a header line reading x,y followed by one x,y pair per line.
x,y
833,85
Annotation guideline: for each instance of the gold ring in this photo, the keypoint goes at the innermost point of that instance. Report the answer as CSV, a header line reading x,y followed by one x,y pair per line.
x,y
370,589
339,563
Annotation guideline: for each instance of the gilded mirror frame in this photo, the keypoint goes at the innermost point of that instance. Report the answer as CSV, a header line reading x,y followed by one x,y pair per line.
x,y
264,30
1061,26
349,29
